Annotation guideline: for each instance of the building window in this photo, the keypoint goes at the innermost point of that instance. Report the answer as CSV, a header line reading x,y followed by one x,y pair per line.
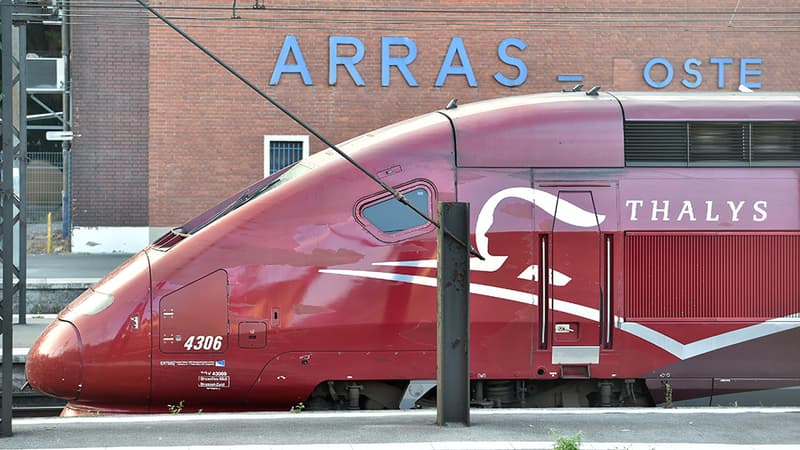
x,y
281,151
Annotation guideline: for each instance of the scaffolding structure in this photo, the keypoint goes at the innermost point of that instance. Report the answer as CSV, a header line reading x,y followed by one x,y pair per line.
x,y
14,19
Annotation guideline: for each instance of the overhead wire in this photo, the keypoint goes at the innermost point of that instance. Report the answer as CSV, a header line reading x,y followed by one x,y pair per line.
x,y
383,9
482,18
779,25
99,12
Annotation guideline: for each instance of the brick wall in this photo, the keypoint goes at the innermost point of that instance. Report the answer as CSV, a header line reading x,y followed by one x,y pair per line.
x,y
110,49
206,128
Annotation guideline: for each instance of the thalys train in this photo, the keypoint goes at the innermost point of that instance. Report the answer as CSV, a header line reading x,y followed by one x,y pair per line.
x,y
638,249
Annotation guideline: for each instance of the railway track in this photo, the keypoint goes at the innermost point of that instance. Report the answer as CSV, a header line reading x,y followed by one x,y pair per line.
x,y
27,402
35,404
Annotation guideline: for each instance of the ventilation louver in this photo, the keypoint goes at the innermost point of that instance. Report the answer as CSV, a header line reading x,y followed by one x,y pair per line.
x,y
712,143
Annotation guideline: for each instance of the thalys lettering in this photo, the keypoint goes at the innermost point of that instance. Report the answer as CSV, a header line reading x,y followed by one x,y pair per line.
x,y
691,211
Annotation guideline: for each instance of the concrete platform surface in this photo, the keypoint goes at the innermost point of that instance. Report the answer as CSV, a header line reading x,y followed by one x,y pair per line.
x,y
619,429
72,266
52,281
25,335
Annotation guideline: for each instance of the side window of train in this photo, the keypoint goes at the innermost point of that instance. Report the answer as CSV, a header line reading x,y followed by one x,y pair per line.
x,y
388,220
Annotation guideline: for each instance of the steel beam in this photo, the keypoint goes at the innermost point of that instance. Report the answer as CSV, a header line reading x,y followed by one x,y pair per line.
x,y
452,316
66,146
13,28
20,199
7,196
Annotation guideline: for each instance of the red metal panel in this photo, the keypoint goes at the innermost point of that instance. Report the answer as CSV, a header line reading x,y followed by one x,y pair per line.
x,y
546,130
576,251
712,275
194,319
709,106
252,335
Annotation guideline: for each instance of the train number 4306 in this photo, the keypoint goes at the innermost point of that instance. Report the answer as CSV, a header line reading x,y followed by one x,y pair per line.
x,y
203,343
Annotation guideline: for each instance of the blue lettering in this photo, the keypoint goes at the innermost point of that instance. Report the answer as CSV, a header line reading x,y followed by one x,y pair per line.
x,y
744,72
649,66
698,77
456,47
349,62
400,62
282,66
502,53
721,62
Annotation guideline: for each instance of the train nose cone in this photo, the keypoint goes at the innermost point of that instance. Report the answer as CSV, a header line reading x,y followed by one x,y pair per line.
x,y
55,362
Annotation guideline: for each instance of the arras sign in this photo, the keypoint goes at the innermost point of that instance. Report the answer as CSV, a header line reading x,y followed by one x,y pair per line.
x,y
390,47
748,67
398,53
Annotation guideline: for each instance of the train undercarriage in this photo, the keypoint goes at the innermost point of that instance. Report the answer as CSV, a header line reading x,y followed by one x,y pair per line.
x,y
371,395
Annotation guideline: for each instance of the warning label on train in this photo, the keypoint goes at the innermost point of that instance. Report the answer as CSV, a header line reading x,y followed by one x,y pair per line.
x,y
213,380
193,363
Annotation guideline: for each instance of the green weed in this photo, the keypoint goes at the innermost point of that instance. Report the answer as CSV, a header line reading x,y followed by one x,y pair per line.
x,y
566,442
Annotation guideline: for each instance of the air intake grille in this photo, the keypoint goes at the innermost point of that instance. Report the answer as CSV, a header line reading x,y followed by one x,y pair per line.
x,y
656,142
712,143
168,240
719,142
776,141
702,276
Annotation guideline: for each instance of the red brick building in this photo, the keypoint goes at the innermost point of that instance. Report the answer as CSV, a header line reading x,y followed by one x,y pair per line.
x,y
166,133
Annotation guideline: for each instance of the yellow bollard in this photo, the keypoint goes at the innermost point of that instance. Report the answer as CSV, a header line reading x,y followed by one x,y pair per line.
x,y
49,232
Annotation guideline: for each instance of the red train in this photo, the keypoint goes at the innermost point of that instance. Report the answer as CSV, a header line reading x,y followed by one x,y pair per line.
x,y
640,249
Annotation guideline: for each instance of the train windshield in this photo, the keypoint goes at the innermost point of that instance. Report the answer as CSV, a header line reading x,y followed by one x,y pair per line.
x,y
351,147
240,198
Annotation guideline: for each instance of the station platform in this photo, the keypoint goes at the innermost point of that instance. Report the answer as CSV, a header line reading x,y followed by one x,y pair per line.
x,y
52,282
607,429
71,267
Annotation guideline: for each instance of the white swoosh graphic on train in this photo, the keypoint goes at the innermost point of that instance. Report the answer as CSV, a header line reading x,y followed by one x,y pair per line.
x,y
668,344
562,210
531,273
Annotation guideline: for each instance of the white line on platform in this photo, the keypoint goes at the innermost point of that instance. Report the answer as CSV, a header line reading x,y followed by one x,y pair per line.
x,y
70,283
32,316
312,415
468,445
18,351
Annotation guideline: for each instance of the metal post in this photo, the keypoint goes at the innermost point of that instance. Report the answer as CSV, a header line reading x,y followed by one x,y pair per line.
x,y
7,196
452,316
66,146
19,60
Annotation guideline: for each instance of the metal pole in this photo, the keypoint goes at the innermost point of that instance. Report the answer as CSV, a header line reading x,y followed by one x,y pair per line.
x,y
452,316
66,146
7,197
20,42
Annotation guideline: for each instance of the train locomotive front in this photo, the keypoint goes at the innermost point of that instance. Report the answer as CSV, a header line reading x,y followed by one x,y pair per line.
x,y
632,256
232,311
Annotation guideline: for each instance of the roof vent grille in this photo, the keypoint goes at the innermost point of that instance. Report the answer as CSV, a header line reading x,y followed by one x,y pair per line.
x,y
712,143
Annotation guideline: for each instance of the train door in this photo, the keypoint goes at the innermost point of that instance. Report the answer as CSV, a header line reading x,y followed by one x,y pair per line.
x,y
575,289
193,334
576,257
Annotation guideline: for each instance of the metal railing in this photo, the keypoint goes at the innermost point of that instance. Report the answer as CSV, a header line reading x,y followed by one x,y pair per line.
x,y
45,185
